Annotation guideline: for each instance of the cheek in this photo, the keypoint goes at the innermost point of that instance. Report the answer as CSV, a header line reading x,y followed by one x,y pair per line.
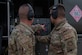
x,y
33,20
51,18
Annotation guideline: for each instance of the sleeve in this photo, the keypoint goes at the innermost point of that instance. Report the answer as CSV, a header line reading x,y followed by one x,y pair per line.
x,y
36,27
45,39
70,41
12,45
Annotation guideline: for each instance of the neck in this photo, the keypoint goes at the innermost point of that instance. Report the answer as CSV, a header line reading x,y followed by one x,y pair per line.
x,y
59,20
27,22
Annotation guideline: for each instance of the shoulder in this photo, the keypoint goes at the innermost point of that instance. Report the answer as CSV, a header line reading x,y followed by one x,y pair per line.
x,y
68,27
68,31
15,31
20,31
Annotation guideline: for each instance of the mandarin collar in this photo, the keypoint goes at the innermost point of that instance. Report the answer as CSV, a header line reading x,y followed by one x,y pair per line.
x,y
58,26
27,27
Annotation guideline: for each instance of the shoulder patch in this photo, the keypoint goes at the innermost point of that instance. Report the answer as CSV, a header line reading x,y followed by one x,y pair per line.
x,y
68,34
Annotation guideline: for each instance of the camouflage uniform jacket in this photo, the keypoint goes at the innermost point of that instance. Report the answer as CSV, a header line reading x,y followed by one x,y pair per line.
x,y
63,40
22,40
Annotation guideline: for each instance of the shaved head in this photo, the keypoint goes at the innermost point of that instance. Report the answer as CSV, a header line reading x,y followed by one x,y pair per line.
x,y
23,11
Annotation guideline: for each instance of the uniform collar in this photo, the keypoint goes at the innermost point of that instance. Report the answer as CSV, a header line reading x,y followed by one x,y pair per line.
x,y
27,27
58,26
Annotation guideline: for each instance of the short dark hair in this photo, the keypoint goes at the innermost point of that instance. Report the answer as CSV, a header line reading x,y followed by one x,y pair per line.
x,y
61,9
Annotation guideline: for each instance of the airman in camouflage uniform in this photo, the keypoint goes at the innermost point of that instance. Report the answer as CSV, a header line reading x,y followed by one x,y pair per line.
x,y
63,38
22,39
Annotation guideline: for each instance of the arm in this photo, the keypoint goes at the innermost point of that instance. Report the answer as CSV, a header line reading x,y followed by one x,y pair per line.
x,y
70,41
12,45
45,39
36,27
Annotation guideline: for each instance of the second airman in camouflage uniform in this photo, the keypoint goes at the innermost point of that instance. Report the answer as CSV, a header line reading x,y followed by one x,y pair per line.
x,y
63,38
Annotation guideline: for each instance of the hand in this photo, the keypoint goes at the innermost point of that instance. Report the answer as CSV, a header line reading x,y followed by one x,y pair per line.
x,y
43,27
